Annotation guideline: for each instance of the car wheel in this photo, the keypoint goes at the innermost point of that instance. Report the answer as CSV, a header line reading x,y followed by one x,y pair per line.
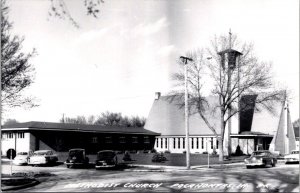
x,y
273,163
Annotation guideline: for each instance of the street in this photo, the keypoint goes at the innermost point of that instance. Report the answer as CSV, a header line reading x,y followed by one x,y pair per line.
x,y
282,178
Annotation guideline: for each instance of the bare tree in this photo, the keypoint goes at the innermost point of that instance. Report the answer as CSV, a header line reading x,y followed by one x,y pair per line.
x,y
60,9
10,122
249,77
16,70
77,120
107,119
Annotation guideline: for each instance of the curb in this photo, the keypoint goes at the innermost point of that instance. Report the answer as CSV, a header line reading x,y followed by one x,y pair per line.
x,y
160,168
17,187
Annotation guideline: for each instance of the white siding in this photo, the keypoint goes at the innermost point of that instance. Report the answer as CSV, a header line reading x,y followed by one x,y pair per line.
x,y
180,140
16,143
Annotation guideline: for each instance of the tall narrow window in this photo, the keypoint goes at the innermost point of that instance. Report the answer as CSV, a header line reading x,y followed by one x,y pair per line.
x,y
197,143
156,142
217,143
178,143
211,143
192,143
202,143
183,143
166,143
174,143
161,142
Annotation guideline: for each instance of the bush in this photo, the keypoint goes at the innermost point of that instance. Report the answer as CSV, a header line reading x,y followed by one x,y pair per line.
x,y
214,151
205,152
159,157
184,152
127,156
153,151
167,151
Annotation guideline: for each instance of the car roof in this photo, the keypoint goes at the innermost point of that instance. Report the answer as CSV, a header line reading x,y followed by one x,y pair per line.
x,y
77,149
42,151
106,151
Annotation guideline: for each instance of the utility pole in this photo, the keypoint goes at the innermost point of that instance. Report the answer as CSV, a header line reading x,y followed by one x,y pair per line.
x,y
185,60
229,110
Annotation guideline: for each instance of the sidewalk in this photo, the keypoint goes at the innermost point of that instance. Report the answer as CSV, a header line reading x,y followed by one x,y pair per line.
x,y
162,168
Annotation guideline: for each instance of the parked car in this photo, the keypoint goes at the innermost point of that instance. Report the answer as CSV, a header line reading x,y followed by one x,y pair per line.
x,y
105,159
293,157
261,158
45,157
22,158
159,157
77,157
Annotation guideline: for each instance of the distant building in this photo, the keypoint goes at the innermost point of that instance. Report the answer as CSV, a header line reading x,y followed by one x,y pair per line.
x,y
252,131
60,137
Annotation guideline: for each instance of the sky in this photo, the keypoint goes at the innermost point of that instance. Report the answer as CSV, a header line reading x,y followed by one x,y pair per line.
x,y
119,60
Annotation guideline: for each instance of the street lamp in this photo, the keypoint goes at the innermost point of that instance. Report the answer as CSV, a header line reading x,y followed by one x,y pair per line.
x,y
186,112
207,140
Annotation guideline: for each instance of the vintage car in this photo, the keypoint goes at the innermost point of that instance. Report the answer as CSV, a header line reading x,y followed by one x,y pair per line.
x,y
43,157
261,158
76,157
293,157
21,158
106,159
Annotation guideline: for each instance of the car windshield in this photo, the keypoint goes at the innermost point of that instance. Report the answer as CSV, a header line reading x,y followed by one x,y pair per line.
x,y
76,153
295,152
22,153
41,153
106,155
259,153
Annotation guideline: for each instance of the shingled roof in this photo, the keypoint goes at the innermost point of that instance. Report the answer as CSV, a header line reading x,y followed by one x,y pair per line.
x,y
34,125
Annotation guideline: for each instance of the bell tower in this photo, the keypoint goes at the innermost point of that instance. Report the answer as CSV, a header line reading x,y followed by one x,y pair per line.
x,y
229,63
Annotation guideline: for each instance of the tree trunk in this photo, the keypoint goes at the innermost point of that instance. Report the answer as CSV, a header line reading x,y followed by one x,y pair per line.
x,y
221,148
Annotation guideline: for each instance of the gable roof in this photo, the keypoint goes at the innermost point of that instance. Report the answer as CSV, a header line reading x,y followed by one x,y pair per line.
x,y
34,125
167,117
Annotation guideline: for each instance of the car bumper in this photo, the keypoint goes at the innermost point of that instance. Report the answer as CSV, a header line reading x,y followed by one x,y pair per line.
x,y
291,160
105,166
73,163
37,162
255,164
20,162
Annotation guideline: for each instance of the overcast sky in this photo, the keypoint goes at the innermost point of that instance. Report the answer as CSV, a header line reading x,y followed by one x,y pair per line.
x,y
118,61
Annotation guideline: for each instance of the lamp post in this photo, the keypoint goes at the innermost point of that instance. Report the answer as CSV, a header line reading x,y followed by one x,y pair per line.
x,y
207,140
186,112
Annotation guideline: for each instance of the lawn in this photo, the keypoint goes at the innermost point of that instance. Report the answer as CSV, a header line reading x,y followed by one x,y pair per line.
x,y
172,159
180,159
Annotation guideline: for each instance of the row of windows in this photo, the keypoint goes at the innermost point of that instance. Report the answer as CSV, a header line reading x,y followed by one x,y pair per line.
x,y
11,135
122,139
180,142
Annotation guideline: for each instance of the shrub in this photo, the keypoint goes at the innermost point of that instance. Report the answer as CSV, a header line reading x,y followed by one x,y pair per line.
x,y
214,151
205,152
167,151
153,151
127,156
159,157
